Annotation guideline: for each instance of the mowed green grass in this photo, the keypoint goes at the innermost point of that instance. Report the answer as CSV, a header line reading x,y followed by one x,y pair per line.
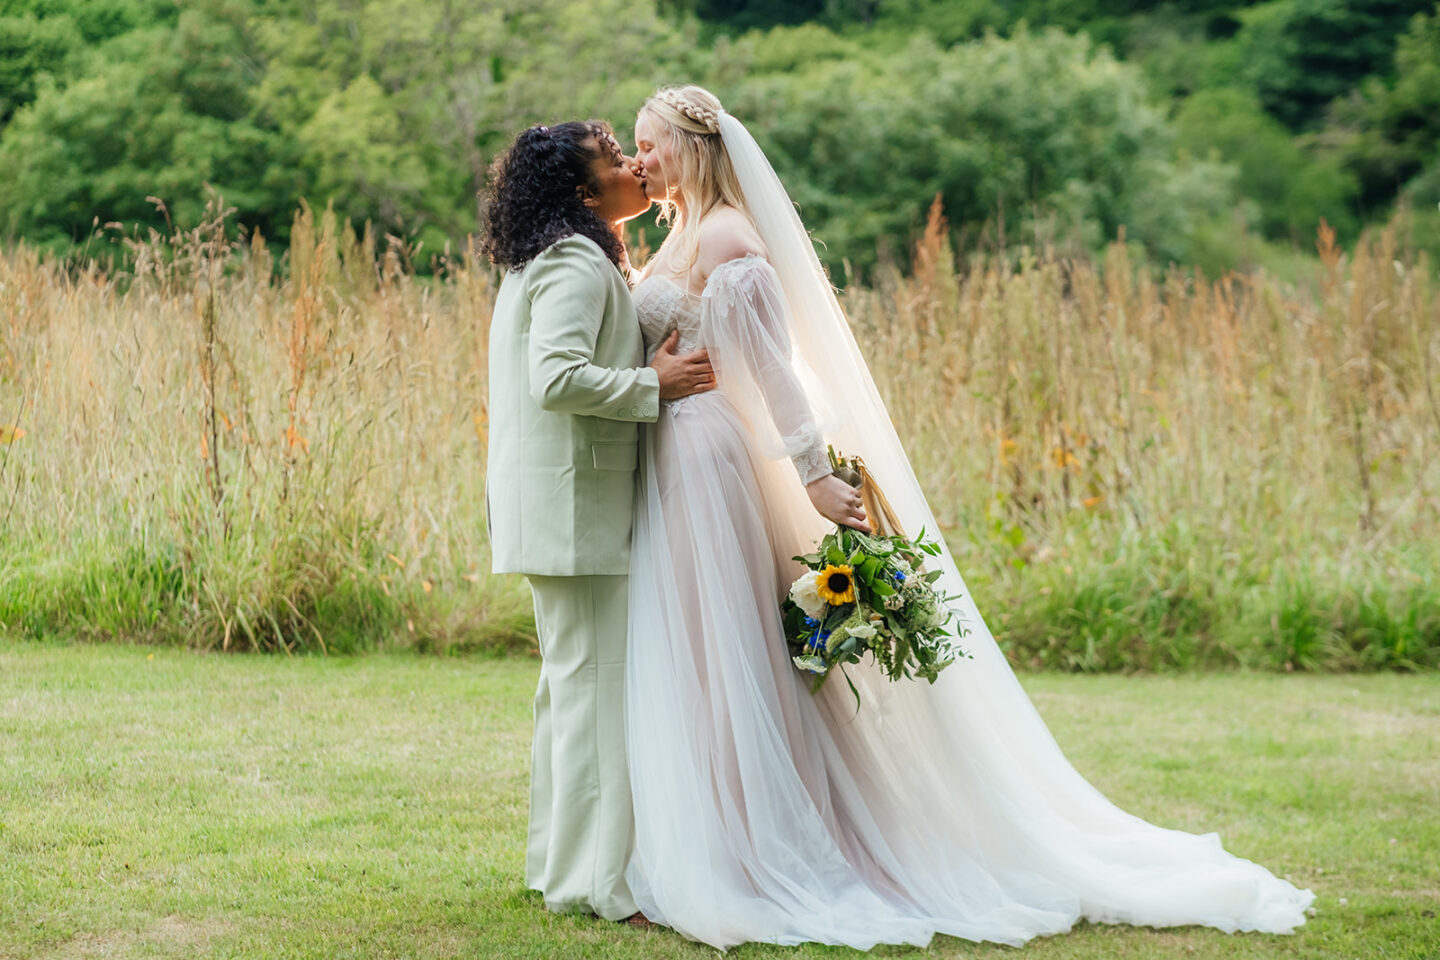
x,y
165,803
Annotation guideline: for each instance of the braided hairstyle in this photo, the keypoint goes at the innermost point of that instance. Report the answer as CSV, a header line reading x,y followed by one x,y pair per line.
x,y
698,168
695,104
533,199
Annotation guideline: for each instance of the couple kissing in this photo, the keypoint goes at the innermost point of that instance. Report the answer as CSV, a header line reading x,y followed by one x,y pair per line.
x,y
658,455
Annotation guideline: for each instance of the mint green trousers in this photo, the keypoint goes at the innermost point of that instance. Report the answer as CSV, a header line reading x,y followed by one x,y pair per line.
x,y
581,822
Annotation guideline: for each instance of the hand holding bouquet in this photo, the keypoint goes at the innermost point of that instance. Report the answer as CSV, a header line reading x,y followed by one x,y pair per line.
x,y
865,593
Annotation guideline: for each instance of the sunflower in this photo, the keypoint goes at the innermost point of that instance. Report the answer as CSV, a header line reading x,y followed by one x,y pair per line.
x,y
836,585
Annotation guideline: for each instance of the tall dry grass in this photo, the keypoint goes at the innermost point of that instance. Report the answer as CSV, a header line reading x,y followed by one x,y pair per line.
x,y
1135,473
1141,471
222,456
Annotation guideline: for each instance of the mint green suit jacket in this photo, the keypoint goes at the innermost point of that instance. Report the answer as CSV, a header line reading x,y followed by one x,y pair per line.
x,y
568,388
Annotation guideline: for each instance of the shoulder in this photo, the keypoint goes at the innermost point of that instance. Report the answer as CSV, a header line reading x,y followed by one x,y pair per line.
x,y
573,256
574,249
724,236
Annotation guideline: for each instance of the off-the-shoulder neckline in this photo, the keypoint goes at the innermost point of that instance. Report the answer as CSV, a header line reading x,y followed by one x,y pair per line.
x,y
738,261
718,267
727,263
671,282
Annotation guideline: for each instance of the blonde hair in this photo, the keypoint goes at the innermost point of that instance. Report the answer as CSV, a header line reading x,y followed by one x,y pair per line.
x,y
699,166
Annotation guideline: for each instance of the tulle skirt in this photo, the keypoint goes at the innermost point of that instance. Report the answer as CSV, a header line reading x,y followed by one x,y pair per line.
x,y
763,813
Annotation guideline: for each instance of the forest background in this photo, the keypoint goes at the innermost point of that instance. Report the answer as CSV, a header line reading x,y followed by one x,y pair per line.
x,y
1217,133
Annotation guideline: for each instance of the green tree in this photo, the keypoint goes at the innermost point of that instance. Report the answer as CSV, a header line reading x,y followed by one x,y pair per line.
x,y
1389,131
160,112
389,110
394,108
1291,190
49,38
948,21
1044,130
30,49
734,16
1299,55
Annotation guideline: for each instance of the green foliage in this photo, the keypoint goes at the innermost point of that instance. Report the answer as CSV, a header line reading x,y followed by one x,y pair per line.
x,y
162,114
1146,607
95,20
29,48
1299,55
1290,190
391,111
748,14
394,110
947,21
1043,130
1387,131
47,38
1417,218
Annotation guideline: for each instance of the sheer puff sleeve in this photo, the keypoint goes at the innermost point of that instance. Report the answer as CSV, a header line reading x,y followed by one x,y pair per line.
x,y
743,323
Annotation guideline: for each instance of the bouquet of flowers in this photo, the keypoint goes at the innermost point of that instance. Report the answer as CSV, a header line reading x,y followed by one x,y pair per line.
x,y
869,593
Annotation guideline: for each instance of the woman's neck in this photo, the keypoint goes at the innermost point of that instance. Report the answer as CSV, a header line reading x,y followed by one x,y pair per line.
x,y
683,218
618,228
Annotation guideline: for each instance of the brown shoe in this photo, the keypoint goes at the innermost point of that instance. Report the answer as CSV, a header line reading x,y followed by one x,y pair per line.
x,y
638,920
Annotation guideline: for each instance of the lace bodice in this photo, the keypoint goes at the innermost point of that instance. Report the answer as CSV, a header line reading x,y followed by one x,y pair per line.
x,y
740,318
662,306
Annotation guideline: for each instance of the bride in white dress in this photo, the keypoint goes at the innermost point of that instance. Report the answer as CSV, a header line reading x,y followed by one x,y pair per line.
x,y
763,813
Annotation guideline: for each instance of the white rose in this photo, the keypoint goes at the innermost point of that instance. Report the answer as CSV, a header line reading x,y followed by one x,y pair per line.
x,y
806,594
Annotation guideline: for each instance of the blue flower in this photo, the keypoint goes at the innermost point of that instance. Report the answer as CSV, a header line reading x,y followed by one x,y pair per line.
x,y
899,576
811,623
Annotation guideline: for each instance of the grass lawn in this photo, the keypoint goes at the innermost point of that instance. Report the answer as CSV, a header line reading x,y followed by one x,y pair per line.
x,y
162,803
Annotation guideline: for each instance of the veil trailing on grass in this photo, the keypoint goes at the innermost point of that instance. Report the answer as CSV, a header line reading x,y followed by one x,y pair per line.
x,y
969,758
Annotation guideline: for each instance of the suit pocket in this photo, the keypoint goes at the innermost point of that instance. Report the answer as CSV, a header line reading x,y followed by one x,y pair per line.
x,y
615,454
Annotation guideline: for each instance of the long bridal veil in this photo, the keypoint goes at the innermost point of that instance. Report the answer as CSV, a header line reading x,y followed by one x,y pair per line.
x,y
970,755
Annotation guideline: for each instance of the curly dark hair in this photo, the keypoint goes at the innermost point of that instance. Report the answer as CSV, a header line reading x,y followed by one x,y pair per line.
x,y
532,201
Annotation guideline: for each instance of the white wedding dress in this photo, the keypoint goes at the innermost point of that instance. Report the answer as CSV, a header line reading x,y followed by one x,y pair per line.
x,y
763,813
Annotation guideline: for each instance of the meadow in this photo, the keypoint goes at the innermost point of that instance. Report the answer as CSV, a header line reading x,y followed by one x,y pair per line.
x,y
161,802
223,447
